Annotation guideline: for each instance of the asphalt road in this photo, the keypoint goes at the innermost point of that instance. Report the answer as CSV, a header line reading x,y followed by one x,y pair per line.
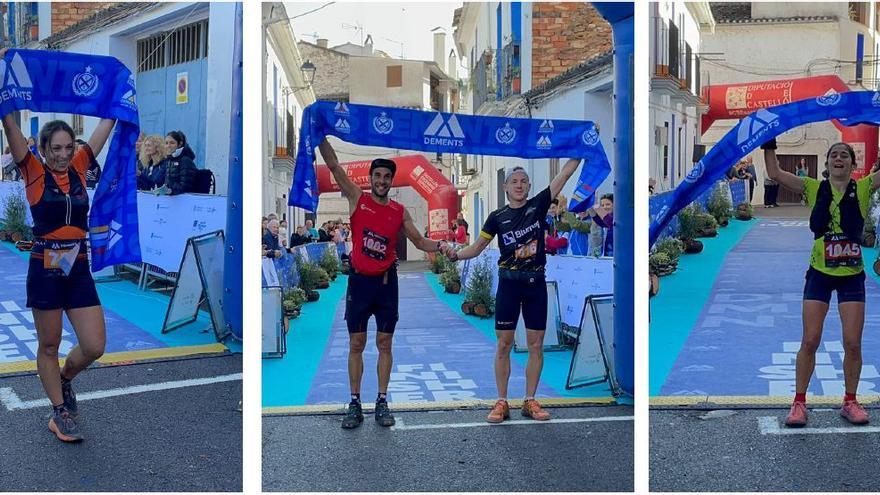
x,y
184,439
727,452
313,453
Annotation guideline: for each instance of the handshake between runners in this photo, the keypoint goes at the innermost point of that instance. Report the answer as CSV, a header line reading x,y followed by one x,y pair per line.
x,y
448,250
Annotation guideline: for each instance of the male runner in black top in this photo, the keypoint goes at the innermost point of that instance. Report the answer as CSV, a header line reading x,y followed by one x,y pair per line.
x,y
521,225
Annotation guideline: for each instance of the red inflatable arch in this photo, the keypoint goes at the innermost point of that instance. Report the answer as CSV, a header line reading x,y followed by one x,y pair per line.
x,y
734,101
412,170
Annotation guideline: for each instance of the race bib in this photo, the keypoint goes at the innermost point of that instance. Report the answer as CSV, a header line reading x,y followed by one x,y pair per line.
x,y
841,251
527,251
60,259
375,245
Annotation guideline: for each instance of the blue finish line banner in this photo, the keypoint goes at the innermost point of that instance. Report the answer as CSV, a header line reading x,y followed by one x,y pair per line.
x,y
851,108
97,86
440,132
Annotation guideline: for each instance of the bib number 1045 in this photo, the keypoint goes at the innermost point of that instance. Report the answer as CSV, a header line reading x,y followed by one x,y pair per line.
x,y
841,251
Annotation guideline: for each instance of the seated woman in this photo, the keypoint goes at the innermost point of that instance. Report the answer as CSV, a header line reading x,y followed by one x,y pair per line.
x,y
152,158
180,169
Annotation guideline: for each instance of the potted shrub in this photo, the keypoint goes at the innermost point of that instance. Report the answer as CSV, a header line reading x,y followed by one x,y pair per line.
x,y
478,298
323,278
708,227
743,211
309,278
15,217
451,280
438,263
672,248
660,264
292,302
688,228
330,263
719,206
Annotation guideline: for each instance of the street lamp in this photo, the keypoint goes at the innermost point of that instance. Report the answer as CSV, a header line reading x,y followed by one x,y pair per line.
x,y
308,74
308,71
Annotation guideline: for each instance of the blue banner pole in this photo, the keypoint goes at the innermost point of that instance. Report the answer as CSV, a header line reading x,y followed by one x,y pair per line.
x,y
620,16
232,271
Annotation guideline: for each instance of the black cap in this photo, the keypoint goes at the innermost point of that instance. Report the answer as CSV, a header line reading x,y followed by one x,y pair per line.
x,y
383,163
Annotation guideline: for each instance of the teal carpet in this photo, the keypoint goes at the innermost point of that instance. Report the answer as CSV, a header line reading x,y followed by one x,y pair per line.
x,y
675,310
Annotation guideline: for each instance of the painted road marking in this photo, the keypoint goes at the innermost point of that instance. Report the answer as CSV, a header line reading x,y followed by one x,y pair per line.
x,y
770,426
401,426
11,400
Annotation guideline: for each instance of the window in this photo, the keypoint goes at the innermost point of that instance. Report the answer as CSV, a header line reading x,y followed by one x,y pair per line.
x,y
394,76
77,125
151,53
183,44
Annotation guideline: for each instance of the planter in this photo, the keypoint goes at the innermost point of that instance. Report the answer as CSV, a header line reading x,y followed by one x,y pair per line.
x,y
467,308
707,233
869,239
312,295
692,246
664,270
481,310
724,222
877,266
323,284
453,288
15,237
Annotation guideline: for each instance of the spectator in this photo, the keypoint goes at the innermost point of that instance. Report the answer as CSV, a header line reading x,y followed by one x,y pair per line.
x,y
299,237
752,177
32,144
152,157
312,231
553,242
771,191
93,173
467,228
652,185
323,234
461,232
10,169
271,244
180,169
282,232
603,216
801,168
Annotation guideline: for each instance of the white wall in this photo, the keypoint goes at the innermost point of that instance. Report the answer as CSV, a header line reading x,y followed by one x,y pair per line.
x,y
368,82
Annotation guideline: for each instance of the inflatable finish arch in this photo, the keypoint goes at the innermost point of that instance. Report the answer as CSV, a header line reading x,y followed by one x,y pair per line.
x,y
412,170
735,101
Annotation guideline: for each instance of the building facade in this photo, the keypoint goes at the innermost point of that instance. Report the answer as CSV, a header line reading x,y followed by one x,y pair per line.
x,y
285,94
531,60
756,42
178,53
676,83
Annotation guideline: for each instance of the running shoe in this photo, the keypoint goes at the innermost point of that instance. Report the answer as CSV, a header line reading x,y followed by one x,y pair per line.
x,y
500,411
853,412
64,426
797,416
354,416
69,397
532,409
383,415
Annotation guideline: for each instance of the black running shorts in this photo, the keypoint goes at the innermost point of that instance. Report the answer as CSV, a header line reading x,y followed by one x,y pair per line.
x,y
372,295
50,288
526,292
819,286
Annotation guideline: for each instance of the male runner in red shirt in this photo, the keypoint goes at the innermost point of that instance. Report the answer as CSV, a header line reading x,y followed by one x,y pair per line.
x,y
376,221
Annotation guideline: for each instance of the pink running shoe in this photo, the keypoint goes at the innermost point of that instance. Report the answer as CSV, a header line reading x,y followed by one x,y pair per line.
x,y
797,417
853,412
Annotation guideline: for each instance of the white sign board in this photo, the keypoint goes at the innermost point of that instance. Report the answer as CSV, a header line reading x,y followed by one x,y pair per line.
x,y
166,222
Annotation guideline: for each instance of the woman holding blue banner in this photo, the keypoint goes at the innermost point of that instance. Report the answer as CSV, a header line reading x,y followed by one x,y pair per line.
x,y
58,278
839,206
520,227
